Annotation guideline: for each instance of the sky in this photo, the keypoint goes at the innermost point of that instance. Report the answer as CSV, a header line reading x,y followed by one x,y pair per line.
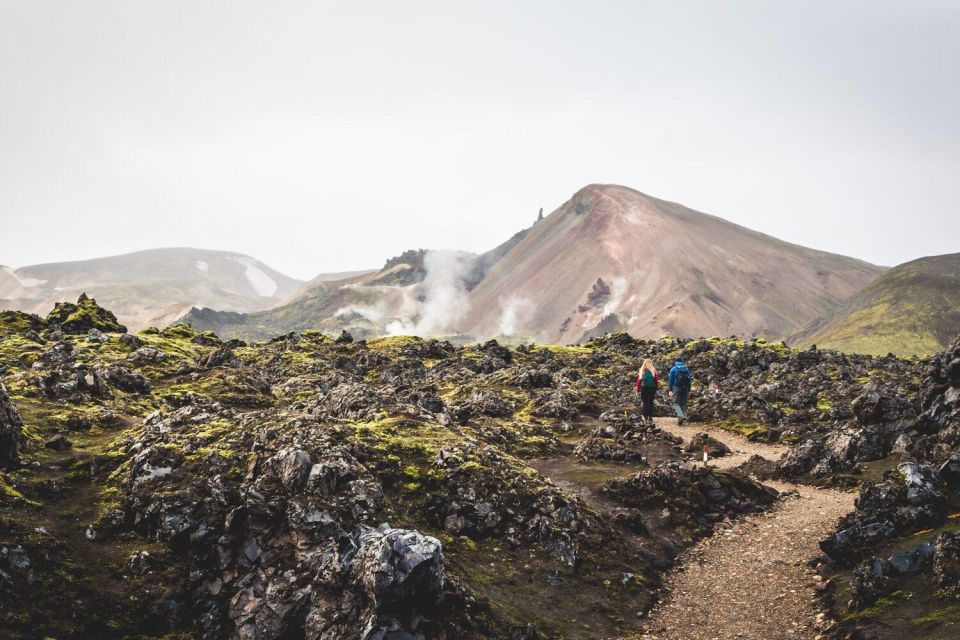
x,y
329,136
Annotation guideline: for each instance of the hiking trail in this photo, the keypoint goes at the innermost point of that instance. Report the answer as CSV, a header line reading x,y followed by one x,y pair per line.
x,y
750,581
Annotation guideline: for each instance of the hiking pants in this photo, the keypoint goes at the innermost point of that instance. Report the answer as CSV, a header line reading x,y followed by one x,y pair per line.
x,y
646,396
680,400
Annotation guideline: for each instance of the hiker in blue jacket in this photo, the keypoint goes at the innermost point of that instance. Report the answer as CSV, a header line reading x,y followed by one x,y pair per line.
x,y
680,388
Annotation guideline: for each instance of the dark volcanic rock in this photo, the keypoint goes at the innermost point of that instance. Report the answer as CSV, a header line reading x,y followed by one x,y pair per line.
x,y
11,430
84,316
946,563
702,441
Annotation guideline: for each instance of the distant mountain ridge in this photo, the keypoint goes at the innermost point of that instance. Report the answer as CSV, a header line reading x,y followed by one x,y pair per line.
x,y
155,286
611,258
912,310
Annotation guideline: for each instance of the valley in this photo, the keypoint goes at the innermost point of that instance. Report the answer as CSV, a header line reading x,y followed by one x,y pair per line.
x,y
244,488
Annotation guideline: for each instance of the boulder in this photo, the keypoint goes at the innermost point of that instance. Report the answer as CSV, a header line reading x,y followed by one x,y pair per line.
x,y
131,341
912,560
58,442
126,380
222,357
845,547
702,441
400,569
949,472
870,582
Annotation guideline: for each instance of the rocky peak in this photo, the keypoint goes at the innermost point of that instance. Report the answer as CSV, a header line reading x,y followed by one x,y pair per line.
x,y
83,316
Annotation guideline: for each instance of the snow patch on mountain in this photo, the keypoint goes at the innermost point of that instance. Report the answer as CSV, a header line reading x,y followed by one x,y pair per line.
x,y
25,282
263,284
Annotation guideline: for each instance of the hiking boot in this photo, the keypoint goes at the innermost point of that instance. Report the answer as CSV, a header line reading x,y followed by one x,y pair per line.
x,y
680,421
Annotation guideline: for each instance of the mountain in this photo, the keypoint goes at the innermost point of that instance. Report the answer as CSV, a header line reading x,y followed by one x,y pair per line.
x,y
150,287
418,292
616,257
609,259
913,309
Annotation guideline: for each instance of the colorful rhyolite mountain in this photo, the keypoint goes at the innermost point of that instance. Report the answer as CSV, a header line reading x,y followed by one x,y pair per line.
x,y
610,258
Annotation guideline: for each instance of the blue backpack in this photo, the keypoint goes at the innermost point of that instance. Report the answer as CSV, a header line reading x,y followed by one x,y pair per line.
x,y
683,377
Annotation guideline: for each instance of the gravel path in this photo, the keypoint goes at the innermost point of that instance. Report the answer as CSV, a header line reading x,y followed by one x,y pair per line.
x,y
751,581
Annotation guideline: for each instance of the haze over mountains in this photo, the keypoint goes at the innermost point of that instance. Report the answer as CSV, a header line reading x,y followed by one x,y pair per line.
x,y
150,287
609,259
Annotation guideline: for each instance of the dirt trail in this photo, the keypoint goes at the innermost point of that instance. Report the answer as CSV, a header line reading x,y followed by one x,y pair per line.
x,y
751,581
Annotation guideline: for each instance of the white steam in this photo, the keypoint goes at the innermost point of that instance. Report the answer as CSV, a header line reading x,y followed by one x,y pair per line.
x,y
511,311
373,313
444,296
617,289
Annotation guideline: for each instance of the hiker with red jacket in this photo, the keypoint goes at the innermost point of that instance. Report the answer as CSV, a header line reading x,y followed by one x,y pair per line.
x,y
647,381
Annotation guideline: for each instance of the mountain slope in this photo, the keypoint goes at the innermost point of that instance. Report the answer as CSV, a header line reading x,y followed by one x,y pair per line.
x,y
657,268
150,287
610,259
418,291
913,309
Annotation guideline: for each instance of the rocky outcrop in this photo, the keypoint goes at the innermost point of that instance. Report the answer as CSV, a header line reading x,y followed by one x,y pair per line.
x,y
82,317
11,430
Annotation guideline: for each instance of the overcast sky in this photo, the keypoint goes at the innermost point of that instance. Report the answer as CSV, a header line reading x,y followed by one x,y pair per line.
x,y
325,136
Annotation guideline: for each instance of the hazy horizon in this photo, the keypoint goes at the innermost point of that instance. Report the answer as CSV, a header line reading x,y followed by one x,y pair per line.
x,y
327,138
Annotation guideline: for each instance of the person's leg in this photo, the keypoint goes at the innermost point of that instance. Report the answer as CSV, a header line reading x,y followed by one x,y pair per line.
x,y
676,403
683,396
646,394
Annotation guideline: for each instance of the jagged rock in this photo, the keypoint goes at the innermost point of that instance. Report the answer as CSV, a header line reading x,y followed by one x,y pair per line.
x,y
131,341
143,356
58,442
912,560
11,430
534,378
847,546
702,441
126,380
869,583
759,467
74,382
222,357
95,335
400,569
207,339
946,562
949,472
60,353
83,316
701,492
600,446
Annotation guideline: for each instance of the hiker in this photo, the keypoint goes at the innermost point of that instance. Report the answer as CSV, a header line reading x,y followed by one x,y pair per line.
x,y
680,389
647,382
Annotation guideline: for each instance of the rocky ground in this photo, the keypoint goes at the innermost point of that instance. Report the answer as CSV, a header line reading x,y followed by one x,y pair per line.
x,y
170,484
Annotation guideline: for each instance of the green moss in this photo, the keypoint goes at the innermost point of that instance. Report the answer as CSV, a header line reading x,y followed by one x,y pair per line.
x,y
393,342
949,614
16,352
750,430
86,314
879,607
12,322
